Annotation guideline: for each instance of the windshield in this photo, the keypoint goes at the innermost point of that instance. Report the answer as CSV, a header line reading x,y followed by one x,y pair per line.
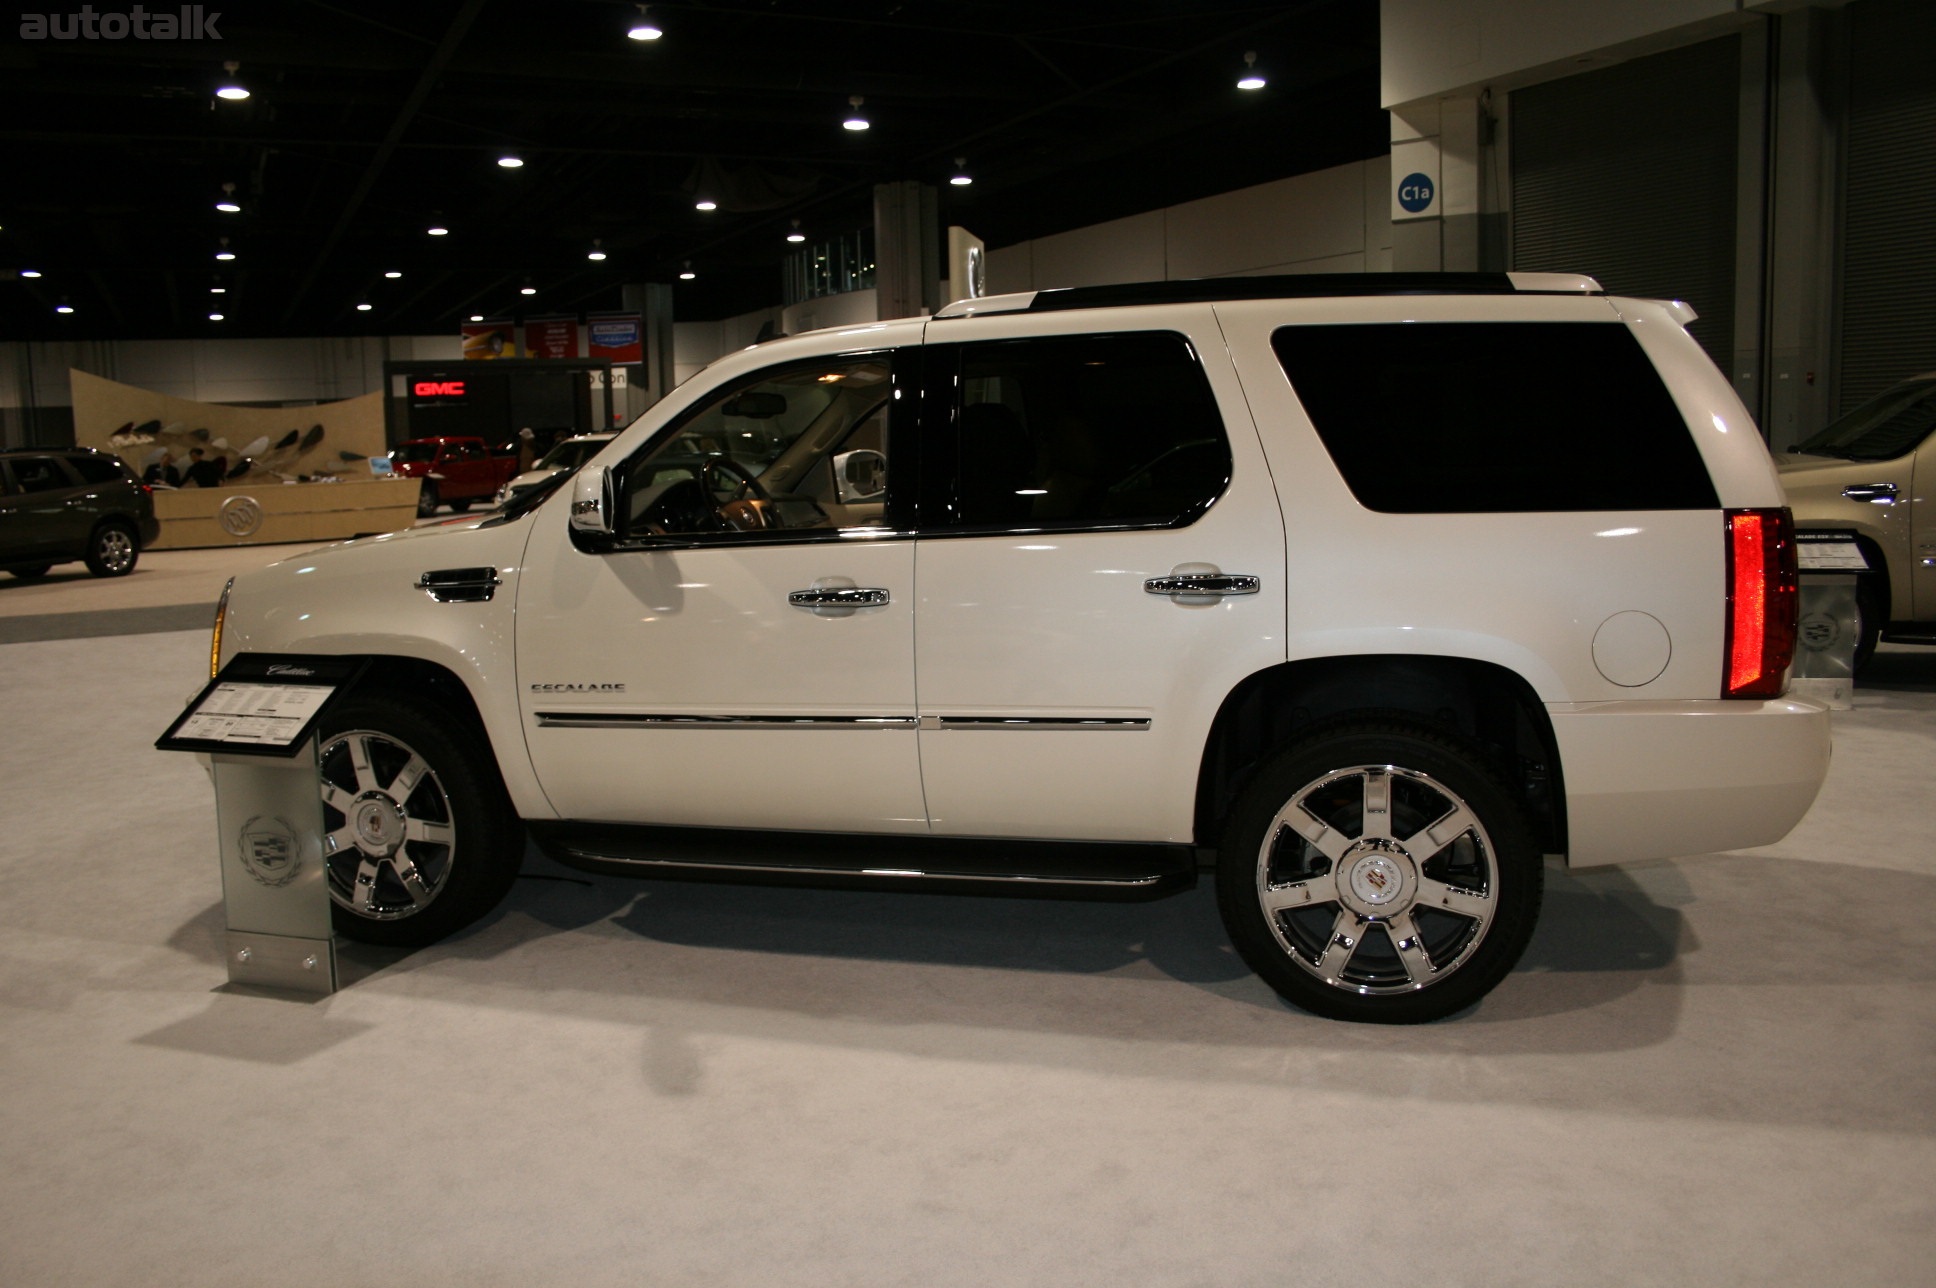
x,y
1889,425
571,453
414,452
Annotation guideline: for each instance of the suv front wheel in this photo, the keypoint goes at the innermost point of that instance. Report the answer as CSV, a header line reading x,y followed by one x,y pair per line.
x,y
1378,871
420,839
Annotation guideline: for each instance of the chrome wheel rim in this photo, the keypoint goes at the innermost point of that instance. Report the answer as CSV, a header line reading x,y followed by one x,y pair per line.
x,y
115,550
389,838
1377,880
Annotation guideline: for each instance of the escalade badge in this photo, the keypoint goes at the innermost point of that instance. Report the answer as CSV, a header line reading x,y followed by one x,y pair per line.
x,y
578,688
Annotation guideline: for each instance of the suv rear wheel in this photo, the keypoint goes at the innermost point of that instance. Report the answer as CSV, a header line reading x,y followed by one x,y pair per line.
x,y
420,839
1378,871
112,550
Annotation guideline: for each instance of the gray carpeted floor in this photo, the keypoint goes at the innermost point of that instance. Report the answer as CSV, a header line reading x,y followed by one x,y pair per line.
x,y
1715,1071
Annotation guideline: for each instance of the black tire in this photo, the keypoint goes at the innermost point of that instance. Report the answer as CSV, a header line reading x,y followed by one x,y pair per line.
x,y
427,500
28,574
409,862
1462,902
458,507
112,550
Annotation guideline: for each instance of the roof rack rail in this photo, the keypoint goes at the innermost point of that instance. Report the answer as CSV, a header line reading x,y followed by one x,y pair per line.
x,y
1195,290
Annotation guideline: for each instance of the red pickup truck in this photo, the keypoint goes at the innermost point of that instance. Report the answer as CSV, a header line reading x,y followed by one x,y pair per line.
x,y
455,471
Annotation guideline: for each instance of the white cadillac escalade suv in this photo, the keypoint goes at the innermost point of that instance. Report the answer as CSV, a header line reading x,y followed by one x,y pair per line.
x,y
1371,592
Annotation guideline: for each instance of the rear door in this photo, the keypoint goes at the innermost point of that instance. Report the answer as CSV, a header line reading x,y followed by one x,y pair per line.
x,y
1064,690
44,514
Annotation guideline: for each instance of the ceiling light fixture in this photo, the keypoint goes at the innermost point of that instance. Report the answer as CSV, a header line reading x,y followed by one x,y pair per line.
x,y
230,88
477,317
218,290
63,308
1251,77
686,274
705,203
438,230
224,254
511,161
227,204
30,272
393,273
796,235
597,253
529,290
644,28
215,317
855,121
961,178
363,308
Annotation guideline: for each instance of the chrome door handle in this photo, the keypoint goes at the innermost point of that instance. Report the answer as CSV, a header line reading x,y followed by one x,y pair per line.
x,y
837,597
1879,493
1221,583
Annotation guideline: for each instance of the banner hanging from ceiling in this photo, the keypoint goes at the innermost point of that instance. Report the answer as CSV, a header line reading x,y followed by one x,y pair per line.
x,y
616,337
551,337
491,338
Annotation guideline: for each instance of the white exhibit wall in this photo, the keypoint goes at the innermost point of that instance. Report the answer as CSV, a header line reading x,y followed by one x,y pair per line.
x,y
214,370
1429,48
1329,221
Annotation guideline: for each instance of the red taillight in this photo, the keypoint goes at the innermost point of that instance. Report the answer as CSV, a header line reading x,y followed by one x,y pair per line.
x,y
1761,603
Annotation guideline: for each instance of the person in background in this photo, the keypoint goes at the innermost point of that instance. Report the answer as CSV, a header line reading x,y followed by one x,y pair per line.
x,y
163,472
201,472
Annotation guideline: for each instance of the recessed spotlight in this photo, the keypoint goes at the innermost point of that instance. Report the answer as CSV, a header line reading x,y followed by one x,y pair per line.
x,y
218,290
225,255
644,28
1251,77
30,272
477,317
393,273
705,205
215,317
230,88
528,290
363,308
510,162
855,121
63,308
438,230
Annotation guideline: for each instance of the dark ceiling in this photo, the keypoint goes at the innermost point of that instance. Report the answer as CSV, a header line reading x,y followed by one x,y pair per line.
x,y
369,122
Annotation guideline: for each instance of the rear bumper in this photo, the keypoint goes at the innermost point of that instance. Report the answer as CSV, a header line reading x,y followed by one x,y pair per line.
x,y
1652,780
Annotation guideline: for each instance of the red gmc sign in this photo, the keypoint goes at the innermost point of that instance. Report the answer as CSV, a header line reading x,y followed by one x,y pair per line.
x,y
440,389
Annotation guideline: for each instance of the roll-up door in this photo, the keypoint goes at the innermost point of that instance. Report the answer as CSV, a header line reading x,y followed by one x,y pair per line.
x,y
1629,173
1888,304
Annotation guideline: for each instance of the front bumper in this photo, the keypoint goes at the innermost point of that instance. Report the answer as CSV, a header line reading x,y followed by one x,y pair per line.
x,y
1654,780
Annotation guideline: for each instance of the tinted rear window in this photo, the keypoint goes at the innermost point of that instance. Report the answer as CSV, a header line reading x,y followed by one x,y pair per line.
x,y
1484,417
96,469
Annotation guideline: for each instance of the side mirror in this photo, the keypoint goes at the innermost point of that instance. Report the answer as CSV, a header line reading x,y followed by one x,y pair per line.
x,y
594,500
861,475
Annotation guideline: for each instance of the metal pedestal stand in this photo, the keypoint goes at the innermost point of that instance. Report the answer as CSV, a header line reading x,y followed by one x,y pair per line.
x,y
1826,639
274,892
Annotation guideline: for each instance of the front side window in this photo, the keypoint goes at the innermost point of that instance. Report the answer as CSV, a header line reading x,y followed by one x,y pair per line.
x,y
1090,431
803,448
1892,424
415,453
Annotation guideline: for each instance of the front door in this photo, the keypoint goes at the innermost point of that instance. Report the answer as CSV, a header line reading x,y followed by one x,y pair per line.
x,y
745,651
1101,561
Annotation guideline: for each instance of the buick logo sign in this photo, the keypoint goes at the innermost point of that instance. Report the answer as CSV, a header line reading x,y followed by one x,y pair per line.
x,y
240,516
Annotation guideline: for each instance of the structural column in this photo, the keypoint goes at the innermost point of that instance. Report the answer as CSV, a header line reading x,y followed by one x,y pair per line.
x,y
654,378
1440,219
907,249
